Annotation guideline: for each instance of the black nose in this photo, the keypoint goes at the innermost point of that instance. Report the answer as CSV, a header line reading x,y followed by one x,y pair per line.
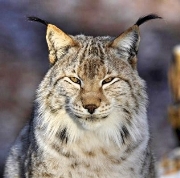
x,y
91,108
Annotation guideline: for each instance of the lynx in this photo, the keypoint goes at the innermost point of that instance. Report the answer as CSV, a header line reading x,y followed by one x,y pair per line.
x,y
90,116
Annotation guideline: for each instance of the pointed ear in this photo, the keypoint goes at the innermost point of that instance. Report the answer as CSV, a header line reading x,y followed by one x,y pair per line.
x,y
58,42
127,43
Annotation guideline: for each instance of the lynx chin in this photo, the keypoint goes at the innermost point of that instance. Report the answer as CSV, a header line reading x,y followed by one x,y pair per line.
x,y
90,116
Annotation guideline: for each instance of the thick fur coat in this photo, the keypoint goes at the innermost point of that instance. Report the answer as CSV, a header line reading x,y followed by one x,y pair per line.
x,y
90,116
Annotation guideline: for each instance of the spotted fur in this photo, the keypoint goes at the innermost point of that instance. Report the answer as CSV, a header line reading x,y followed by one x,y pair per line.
x,y
90,116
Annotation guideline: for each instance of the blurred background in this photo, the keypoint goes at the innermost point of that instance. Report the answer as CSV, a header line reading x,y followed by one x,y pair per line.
x,y
24,55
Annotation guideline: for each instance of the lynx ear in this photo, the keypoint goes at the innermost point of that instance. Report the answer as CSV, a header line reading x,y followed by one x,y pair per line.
x,y
128,42
57,40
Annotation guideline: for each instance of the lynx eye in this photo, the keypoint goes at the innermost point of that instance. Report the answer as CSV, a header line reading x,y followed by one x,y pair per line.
x,y
75,80
108,80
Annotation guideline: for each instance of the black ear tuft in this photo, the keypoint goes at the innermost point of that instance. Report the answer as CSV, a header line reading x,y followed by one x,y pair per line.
x,y
36,19
146,18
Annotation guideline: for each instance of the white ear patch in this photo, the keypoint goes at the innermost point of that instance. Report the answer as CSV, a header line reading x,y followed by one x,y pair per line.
x,y
127,42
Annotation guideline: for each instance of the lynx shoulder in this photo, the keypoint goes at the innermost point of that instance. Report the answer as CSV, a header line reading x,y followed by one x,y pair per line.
x,y
90,111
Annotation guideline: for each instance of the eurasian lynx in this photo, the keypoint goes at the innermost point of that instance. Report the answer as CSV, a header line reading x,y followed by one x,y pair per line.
x,y
90,116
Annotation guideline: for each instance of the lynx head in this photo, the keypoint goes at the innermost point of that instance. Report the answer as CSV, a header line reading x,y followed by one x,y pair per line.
x,y
92,82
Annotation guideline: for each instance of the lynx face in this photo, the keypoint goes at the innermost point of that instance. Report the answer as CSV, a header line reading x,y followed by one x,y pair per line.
x,y
92,85
95,83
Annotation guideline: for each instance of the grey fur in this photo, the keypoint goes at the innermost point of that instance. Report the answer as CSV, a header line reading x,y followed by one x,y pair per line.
x,y
90,113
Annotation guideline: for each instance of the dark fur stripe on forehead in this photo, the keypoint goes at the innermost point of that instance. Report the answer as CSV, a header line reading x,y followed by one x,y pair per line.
x,y
147,18
92,67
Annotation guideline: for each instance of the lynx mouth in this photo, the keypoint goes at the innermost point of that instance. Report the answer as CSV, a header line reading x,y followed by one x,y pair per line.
x,y
91,118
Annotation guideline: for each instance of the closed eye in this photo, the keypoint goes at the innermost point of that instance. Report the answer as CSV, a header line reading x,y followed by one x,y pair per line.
x,y
107,80
75,80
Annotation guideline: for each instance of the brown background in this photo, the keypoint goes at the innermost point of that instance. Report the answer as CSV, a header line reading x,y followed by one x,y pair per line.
x,y
24,56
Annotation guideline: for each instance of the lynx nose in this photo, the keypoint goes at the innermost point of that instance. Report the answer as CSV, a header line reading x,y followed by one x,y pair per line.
x,y
91,108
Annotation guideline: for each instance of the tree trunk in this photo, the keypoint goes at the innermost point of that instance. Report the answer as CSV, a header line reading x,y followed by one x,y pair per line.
x,y
174,81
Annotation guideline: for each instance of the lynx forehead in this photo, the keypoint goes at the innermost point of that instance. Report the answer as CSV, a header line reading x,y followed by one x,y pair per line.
x,y
90,116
